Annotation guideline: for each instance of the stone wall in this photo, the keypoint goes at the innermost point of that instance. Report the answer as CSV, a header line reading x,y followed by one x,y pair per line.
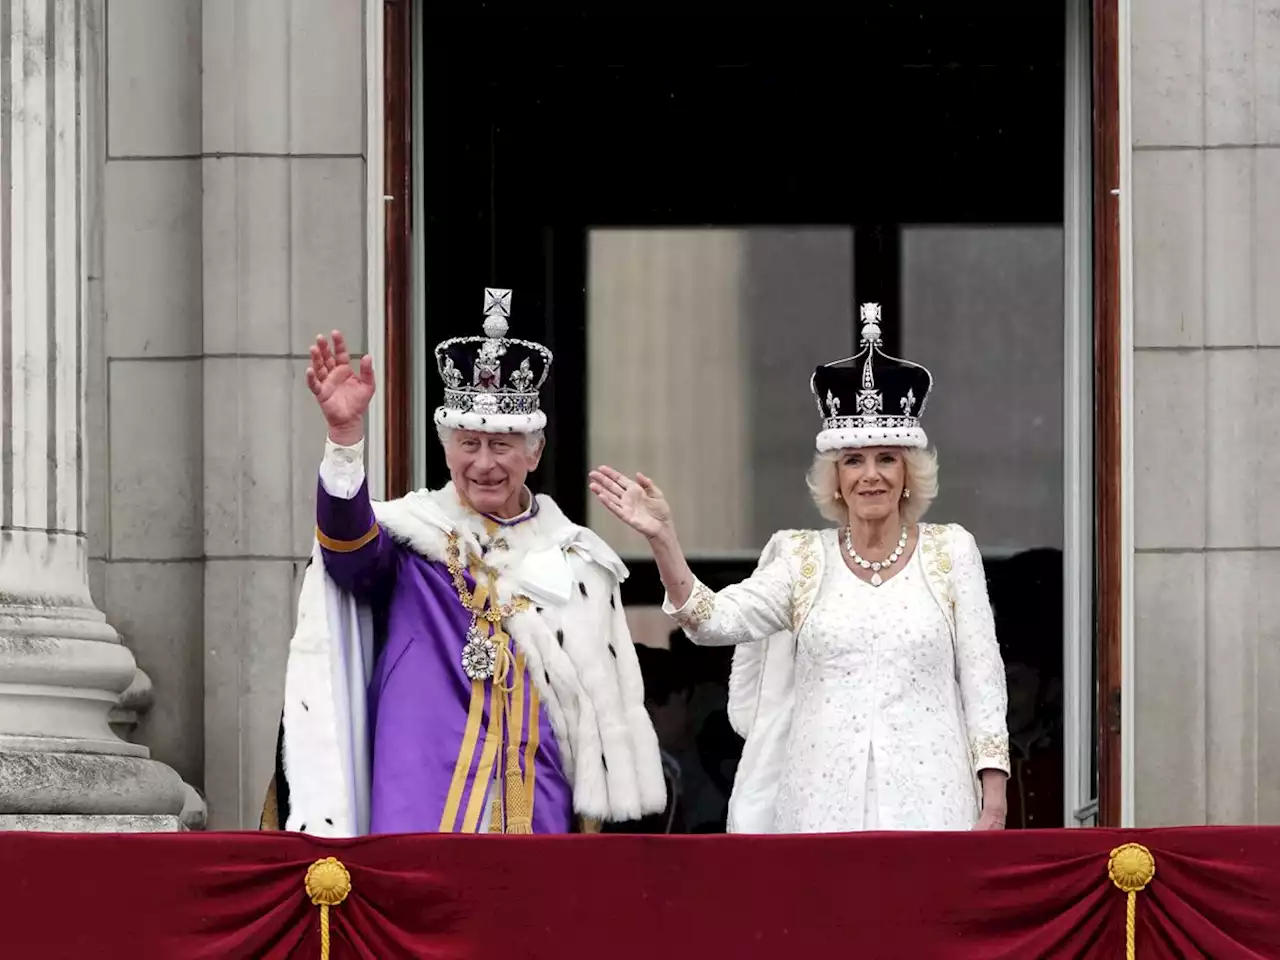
x,y
1205,103
234,220
233,209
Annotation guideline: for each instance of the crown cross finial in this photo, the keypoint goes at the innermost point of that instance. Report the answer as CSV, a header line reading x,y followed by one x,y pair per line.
x,y
870,315
497,307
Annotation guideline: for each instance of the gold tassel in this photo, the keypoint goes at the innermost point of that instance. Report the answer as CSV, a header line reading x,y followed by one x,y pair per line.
x,y
495,816
1131,867
496,803
519,819
327,884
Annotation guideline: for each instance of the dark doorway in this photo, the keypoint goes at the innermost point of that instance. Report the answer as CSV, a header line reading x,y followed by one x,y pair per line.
x,y
904,124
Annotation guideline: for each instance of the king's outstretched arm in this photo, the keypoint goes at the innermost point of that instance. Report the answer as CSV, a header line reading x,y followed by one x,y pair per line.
x,y
358,554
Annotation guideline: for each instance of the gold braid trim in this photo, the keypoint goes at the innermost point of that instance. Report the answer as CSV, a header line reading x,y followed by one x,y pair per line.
x,y
517,807
1131,867
327,884
805,587
515,812
346,546
270,818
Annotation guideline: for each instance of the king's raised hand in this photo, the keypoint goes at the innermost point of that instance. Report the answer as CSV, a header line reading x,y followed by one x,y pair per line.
x,y
342,391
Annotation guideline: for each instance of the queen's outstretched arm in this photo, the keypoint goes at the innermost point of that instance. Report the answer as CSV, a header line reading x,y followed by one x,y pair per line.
x,y
754,609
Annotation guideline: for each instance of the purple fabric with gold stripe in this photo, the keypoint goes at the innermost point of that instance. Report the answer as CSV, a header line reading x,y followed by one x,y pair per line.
x,y
436,740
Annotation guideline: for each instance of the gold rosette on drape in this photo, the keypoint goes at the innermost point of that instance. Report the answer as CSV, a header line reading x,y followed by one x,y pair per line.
x,y
327,884
1131,867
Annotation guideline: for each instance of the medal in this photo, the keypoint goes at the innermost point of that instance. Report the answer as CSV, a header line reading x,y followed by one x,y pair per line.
x,y
479,656
480,653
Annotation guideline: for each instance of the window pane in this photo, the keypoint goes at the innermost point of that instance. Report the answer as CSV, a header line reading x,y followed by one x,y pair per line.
x,y
982,309
701,343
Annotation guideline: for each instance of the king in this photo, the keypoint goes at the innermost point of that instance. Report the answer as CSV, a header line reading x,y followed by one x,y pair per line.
x,y
461,662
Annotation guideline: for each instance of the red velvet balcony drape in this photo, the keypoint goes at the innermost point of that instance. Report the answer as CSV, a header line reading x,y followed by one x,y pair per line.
x,y
1216,893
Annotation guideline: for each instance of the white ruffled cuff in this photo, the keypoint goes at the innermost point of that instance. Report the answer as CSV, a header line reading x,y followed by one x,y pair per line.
x,y
342,469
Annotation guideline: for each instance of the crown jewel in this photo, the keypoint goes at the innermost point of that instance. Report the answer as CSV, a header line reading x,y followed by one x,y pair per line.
x,y
491,383
871,398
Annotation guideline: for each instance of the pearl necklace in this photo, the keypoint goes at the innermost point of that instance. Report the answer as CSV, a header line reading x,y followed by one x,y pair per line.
x,y
875,566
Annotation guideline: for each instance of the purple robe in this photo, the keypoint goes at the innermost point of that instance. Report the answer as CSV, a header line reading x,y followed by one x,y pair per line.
x,y
435,749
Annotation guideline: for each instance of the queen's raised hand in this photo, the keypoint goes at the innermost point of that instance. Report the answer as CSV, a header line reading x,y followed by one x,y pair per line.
x,y
636,502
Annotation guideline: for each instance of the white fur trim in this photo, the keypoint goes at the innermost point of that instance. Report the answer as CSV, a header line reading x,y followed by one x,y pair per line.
x,y
629,760
850,437
491,422
579,654
326,753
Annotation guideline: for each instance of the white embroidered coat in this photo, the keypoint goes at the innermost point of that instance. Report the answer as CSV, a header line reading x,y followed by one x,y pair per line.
x,y
765,614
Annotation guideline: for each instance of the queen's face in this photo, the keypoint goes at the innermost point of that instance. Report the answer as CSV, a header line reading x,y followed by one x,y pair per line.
x,y
871,481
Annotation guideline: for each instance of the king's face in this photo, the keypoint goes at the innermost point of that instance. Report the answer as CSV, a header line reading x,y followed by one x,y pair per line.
x,y
489,470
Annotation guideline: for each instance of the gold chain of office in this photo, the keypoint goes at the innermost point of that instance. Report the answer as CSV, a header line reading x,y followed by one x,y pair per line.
x,y
494,614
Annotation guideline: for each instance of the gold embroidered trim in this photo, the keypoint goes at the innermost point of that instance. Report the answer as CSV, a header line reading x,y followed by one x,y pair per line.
x,y
806,585
466,754
937,560
992,746
702,609
346,546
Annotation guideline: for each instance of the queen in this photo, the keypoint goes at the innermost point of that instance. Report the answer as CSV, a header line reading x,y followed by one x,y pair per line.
x,y
867,683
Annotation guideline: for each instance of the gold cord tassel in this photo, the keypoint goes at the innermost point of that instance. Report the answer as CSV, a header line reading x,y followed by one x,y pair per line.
x,y
519,819
514,810
495,818
499,704
327,884
1131,867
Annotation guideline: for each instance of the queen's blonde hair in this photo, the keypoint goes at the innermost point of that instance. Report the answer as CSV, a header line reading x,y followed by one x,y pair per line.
x,y
921,480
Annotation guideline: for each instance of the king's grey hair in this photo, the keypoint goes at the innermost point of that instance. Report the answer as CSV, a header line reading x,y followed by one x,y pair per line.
x,y
532,440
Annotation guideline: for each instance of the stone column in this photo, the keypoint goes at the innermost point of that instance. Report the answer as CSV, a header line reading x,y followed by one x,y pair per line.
x,y
1205,206
62,667
283,189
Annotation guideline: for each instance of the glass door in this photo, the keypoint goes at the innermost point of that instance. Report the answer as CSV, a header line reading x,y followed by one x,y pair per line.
x,y
689,215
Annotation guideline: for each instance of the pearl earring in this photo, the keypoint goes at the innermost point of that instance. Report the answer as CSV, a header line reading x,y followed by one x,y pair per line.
x,y
906,494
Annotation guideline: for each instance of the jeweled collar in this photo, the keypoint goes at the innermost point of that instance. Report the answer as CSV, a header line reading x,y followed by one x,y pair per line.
x,y
529,513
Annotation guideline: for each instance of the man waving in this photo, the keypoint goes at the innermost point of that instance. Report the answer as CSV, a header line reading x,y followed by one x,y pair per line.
x,y
461,661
